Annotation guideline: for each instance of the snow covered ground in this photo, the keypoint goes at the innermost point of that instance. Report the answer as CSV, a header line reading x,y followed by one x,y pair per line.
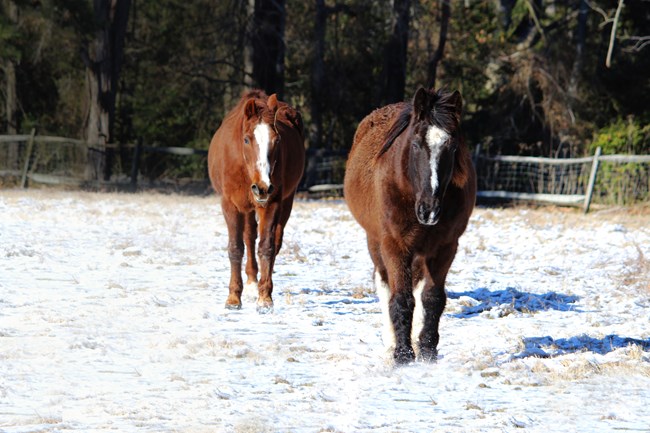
x,y
112,320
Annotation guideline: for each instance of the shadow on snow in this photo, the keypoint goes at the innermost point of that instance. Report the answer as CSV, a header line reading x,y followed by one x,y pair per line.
x,y
547,347
519,301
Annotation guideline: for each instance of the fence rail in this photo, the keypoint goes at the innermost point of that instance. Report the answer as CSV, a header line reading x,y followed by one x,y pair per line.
x,y
612,179
51,166
571,181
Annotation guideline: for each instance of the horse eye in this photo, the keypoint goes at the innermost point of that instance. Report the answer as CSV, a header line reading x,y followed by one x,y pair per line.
x,y
246,140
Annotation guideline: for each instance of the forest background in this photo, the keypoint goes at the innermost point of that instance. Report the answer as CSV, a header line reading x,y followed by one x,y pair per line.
x,y
538,77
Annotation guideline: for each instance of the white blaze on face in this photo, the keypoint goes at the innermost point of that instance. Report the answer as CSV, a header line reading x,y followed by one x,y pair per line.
x,y
436,138
263,137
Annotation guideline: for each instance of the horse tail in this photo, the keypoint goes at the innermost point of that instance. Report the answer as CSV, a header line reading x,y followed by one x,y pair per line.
x,y
400,124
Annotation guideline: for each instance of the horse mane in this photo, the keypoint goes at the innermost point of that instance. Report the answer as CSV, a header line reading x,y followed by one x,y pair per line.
x,y
400,124
446,115
446,107
254,93
446,112
463,164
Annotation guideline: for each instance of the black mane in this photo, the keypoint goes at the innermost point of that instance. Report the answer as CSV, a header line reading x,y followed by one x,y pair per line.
x,y
443,114
400,124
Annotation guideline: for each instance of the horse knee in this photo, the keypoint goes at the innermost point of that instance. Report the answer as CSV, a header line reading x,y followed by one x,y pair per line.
x,y
434,301
400,307
235,251
266,249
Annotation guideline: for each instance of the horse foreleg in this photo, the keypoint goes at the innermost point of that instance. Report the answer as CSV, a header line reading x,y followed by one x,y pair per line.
x,y
383,293
285,213
250,236
402,302
266,254
235,223
434,299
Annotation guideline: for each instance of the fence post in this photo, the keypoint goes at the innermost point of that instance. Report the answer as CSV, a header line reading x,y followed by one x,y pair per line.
x,y
592,179
28,157
135,165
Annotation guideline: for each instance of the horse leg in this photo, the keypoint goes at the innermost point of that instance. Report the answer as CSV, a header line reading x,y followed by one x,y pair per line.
x,y
421,279
235,223
434,299
250,236
285,213
266,254
402,302
383,293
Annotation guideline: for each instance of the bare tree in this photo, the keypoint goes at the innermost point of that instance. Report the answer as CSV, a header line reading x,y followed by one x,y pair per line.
x,y
103,60
612,38
581,35
440,49
9,66
395,53
268,45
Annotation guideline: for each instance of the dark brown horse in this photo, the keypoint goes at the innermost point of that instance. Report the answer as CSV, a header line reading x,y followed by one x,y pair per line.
x,y
411,185
255,161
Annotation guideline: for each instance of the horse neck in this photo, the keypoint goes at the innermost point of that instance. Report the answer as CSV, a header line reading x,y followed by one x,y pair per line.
x,y
398,162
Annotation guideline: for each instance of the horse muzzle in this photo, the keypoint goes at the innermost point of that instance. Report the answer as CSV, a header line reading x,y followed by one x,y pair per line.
x,y
428,214
262,194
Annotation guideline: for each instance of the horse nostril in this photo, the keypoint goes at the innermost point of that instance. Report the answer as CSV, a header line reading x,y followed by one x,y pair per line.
x,y
256,189
271,189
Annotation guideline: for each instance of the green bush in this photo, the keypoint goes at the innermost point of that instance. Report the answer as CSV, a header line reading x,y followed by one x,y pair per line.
x,y
623,183
629,136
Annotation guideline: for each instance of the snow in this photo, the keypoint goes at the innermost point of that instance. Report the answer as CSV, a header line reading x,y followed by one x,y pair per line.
x,y
112,319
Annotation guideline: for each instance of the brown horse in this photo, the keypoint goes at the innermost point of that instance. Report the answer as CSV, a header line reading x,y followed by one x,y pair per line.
x,y
411,185
255,161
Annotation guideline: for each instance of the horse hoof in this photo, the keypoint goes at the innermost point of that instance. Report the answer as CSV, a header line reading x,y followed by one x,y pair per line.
x,y
428,355
404,355
264,307
233,306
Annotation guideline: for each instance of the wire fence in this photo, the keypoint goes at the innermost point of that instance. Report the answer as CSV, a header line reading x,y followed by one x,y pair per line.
x,y
603,179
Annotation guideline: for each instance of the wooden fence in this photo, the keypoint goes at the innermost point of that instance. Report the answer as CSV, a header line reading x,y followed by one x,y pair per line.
x,y
571,181
63,161
575,182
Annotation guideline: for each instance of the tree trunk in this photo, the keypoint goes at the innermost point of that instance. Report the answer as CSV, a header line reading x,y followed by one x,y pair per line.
x,y
442,40
317,76
11,102
268,45
581,35
103,62
395,53
248,44
504,11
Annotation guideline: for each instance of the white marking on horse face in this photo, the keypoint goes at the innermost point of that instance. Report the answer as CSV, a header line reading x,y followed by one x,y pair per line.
x,y
263,137
436,138
383,293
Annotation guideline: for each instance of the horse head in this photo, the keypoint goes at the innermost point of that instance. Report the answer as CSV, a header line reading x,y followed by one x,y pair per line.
x,y
261,144
434,138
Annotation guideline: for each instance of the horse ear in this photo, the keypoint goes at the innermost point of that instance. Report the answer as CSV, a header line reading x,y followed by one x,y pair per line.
x,y
250,109
272,102
421,102
457,100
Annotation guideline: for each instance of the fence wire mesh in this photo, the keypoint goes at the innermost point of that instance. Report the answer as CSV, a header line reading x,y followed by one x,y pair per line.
x,y
620,183
621,179
532,177
617,182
